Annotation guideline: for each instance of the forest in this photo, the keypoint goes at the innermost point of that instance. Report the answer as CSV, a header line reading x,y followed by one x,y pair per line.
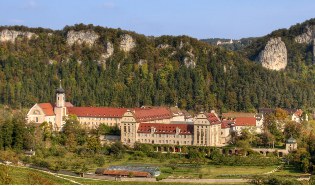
x,y
222,79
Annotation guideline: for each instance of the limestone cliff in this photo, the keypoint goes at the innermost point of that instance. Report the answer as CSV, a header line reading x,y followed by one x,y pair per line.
x,y
274,56
190,61
109,52
88,36
126,43
11,35
307,36
163,46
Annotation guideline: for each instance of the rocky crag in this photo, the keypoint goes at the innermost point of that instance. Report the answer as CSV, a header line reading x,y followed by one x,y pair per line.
x,y
89,37
307,36
126,43
274,55
10,35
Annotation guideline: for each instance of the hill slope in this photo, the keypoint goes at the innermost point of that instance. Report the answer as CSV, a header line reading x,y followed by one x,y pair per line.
x,y
111,67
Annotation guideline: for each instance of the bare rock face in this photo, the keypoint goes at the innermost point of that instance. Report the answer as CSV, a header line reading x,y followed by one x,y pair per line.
x,y
307,36
88,36
163,46
142,62
274,56
190,61
109,52
126,43
10,35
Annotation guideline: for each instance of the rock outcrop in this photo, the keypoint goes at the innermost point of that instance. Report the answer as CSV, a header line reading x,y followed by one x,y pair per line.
x,y
126,43
274,56
142,62
307,36
190,60
163,46
11,35
109,52
89,37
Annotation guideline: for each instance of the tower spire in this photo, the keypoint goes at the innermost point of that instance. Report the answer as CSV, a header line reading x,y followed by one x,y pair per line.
x,y
60,89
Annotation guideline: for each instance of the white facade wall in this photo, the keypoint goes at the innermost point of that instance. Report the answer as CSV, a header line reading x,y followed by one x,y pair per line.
x,y
171,139
94,122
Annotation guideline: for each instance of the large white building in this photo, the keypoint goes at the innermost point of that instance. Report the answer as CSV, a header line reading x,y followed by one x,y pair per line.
x,y
152,125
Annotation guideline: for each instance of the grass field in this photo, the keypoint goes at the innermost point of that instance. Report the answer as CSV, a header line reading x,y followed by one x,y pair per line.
x,y
184,170
87,181
33,177
210,171
25,176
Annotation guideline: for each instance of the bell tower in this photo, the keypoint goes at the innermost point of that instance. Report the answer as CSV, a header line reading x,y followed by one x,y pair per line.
x,y
60,109
60,96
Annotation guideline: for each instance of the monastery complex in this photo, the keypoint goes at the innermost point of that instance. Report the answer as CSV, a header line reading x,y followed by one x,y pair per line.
x,y
152,125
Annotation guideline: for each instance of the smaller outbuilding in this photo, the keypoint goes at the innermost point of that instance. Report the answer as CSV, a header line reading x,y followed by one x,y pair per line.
x,y
291,144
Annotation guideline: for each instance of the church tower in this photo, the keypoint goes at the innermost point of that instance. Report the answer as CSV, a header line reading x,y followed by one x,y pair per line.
x,y
60,109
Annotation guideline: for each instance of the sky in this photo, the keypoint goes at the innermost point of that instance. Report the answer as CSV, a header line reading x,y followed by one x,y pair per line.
x,y
200,19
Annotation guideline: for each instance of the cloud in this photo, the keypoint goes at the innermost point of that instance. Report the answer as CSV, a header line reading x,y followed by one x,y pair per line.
x,y
108,5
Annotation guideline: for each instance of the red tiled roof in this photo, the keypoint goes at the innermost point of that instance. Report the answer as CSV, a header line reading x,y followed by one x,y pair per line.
x,y
245,121
98,112
165,128
149,114
126,173
237,114
299,113
213,119
225,124
47,108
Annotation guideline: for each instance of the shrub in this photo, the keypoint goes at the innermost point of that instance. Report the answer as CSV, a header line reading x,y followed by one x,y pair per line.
x,y
99,160
130,174
253,160
173,164
312,180
5,177
273,180
35,178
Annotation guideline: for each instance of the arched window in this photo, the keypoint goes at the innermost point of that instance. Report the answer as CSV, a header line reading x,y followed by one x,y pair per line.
x,y
36,112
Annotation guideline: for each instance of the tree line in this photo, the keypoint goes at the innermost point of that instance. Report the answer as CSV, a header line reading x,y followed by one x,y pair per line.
x,y
224,80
